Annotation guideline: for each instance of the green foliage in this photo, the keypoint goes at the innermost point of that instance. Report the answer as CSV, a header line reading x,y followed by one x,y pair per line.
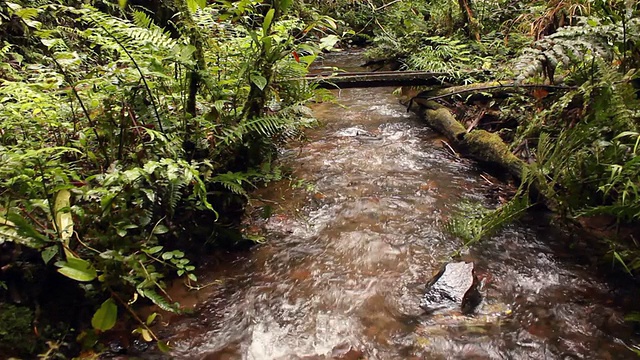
x,y
110,152
575,45
587,156
16,329
106,316
473,222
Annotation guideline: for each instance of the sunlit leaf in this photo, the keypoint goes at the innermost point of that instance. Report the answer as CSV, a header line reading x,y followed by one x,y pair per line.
x,y
146,335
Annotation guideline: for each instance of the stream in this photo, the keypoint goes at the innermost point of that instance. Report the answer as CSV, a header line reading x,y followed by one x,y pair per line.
x,y
348,251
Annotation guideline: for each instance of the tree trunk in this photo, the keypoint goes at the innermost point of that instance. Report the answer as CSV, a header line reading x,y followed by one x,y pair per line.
x,y
472,24
196,39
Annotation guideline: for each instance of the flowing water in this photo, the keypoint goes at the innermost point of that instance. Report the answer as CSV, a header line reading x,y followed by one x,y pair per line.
x,y
347,255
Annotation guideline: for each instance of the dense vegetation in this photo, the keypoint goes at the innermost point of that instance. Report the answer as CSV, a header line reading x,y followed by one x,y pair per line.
x,y
130,131
576,118
129,135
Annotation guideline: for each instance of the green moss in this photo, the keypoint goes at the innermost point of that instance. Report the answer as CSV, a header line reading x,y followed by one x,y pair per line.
x,y
489,147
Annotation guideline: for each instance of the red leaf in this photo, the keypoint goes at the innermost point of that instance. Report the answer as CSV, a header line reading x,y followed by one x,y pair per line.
x,y
296,56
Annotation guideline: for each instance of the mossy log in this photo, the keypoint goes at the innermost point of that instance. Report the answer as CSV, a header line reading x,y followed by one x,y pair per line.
x,y
478,144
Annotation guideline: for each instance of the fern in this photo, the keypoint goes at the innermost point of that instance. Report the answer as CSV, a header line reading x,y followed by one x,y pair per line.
x,y
573,44
141,33
4,50
159,300
234,182
148,32
473,222
440,54
287,121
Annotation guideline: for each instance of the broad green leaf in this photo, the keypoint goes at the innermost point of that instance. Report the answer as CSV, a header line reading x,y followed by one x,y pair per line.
x,y
259,80
193,5
105,317
160,229
24,228
328,42
122,3
267,22
77,269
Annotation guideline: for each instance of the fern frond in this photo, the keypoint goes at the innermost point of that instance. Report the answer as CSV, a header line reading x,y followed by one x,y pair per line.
x,y
234,182
159,300
147,31
5,50
573,44
141,33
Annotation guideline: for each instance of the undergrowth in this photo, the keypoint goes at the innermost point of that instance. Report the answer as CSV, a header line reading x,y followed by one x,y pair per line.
x,y
129,142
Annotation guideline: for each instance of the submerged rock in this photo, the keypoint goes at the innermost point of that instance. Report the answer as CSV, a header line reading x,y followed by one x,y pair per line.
x,y
357,133
454,287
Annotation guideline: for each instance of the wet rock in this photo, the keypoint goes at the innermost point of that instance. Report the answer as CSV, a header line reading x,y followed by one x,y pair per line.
x,y
116,347
346,352
357,133
140,346
454,287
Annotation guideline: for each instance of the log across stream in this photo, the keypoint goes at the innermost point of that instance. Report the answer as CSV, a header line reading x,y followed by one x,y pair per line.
x,y
348,251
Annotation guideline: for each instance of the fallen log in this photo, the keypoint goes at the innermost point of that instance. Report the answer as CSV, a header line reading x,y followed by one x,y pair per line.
x,y
478,144
376,79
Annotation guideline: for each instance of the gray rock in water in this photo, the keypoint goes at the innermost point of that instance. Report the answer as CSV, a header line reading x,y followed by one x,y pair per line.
x,y
357,133
454,287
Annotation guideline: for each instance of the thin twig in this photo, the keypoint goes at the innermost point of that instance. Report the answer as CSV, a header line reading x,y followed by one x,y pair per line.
x,y
486,179
133,313
450,148
385,5
476,120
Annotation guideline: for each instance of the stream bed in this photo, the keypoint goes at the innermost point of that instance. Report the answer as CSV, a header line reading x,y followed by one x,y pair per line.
x,y
347,255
